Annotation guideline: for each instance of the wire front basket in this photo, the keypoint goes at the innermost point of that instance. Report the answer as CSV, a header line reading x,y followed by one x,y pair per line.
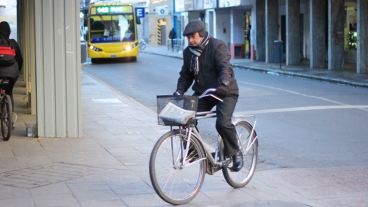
x,y
175,111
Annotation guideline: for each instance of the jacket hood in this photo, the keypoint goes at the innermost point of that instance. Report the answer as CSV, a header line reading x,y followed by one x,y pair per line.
x,y
4,29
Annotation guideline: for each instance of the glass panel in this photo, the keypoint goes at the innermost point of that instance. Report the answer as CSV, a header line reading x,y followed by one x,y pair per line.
x,y
8,12
112,28
350,29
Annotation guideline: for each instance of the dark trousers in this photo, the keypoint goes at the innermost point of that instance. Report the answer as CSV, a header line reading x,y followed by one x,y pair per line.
x,y
172,43
224,126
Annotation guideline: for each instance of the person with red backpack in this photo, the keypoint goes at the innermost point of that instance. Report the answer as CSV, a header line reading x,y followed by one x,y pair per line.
x,y
11,60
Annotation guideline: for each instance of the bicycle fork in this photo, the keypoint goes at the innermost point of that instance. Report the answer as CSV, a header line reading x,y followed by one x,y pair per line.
x,y
250,141
182,160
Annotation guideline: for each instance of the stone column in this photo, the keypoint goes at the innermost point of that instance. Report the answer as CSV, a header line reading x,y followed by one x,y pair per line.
x,y
317,33
362,49
305,36
211,21
293,50
58,66
26,29
336,17
260,30
272,27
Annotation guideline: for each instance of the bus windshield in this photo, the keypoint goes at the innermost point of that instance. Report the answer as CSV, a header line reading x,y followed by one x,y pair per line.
x,y
112,28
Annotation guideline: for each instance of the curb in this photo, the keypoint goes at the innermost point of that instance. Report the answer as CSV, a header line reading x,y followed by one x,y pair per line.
x,y
157,53
309,76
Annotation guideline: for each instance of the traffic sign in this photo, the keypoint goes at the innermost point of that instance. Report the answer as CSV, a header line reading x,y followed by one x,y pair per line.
x,y
139,11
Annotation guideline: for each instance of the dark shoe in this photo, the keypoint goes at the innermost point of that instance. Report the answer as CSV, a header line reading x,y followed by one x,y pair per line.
x,y
237,162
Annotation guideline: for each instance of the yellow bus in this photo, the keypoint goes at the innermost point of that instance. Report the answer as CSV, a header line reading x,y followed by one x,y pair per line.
x,y
112,31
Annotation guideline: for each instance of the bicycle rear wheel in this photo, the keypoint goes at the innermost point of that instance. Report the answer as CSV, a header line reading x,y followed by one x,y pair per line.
x,y
241,178
177,180
6,117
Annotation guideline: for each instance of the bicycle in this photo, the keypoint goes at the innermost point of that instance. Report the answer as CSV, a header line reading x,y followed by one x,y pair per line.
x,y
142,44
5,111
180,158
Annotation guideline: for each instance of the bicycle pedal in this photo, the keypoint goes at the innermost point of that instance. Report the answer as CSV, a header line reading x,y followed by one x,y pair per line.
x,y
226,162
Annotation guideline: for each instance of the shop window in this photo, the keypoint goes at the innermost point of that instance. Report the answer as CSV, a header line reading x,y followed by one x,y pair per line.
x,y
350,29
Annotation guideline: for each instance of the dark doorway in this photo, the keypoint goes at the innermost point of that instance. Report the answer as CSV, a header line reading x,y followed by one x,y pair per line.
x,y
283,31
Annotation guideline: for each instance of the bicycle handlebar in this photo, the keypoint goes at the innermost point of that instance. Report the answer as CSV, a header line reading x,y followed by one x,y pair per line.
x,y
209,92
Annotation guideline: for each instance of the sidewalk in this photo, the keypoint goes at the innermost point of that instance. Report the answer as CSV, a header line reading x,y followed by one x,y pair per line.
x,y
343,77
109,166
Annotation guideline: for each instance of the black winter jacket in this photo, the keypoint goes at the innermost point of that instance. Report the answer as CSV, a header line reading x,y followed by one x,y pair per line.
x,y
11,71
214,69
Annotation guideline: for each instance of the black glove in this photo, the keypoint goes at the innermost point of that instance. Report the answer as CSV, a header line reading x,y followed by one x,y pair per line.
x,y
221,91
178,94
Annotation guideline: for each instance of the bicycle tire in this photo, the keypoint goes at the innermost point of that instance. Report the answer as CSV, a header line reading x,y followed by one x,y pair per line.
x,y
142,46
6,117
241,178
174,183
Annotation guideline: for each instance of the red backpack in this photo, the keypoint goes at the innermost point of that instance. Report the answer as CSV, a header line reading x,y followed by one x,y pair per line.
x,y
7,53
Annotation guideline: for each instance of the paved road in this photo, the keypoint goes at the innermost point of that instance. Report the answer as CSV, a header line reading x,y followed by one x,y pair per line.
x,y
302,123
313,146
108,166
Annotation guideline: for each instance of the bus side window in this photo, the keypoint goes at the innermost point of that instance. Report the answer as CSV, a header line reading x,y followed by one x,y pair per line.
x,y
86,35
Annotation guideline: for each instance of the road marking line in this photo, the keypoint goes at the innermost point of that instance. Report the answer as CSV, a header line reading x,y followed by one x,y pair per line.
x,y
106,100
305,108
294,92
340,105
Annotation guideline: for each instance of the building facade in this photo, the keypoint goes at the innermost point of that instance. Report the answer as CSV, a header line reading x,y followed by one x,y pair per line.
x,y
328,34
160,21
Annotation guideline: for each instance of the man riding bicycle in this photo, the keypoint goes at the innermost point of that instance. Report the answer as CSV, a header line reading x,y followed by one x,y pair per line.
x,y
206,61
9,70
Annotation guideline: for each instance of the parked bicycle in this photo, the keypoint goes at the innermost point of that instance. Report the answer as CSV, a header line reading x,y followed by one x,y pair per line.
x,y
181,158
142,44
5,111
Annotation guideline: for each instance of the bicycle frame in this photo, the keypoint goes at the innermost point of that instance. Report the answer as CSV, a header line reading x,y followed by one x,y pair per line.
x,y
192,131
250,143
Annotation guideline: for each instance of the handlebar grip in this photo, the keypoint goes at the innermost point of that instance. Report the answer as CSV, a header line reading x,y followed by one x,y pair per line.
x,y
209,92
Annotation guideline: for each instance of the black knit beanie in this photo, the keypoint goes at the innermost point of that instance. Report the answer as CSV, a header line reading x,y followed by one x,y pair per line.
x,y
4,29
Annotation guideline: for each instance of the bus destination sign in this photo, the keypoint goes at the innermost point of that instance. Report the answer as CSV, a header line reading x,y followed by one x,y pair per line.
x,y
113,9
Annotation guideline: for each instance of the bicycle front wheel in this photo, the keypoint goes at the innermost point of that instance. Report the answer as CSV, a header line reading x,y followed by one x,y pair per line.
x,y
175,177
246,138
6,117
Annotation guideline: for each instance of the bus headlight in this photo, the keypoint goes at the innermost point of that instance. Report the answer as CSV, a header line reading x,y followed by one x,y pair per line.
x,y
95,48
129,47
